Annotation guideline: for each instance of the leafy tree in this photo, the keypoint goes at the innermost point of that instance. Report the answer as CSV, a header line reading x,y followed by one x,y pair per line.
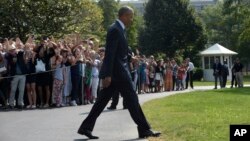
x,y
236,10
86,18
110,10
170,27
228,24
233,6
48,17
133,30
223,23
244,40
219,27
212,20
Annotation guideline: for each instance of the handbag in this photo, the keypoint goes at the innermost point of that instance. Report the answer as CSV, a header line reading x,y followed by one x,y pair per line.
x,y
2,69
40,66
157,76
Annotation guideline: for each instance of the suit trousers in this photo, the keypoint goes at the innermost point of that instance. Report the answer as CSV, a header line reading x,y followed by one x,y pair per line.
x,y
233,80
189,79
216,77
132,102
239,79
224,80
115,100
17,82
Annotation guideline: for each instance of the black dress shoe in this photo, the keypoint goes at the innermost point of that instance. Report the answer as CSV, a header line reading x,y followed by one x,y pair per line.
x,y
11,107
111,108
149,133
87,133
20,107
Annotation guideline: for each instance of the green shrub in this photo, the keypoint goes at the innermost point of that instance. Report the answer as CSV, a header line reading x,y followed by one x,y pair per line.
x,y
198,74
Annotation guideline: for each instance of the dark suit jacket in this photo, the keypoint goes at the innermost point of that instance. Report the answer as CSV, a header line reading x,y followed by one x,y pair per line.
x,y
115,63
217,68
11,65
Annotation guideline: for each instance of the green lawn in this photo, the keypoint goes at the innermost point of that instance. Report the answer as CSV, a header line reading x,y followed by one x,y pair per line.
x,y
199,116
247,79
206,83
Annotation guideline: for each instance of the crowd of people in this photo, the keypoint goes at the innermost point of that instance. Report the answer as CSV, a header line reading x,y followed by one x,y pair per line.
x,y
59,73
221,72
164,75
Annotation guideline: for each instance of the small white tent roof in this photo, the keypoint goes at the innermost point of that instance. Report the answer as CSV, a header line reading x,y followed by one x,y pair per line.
x,y
217,49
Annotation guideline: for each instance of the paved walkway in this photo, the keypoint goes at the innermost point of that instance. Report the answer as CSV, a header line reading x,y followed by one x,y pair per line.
x,y
61,124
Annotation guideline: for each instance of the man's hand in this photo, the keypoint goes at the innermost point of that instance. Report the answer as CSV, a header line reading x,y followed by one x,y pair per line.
x,y
106,82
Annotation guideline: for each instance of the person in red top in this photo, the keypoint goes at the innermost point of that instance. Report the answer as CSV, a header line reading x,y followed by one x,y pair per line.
x,y
181,76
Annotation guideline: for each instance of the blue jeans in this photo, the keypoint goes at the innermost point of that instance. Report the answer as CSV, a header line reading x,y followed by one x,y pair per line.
x,y
76,93
216,77
17,81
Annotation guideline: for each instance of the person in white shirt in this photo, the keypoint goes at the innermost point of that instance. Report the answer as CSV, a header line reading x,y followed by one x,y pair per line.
x,y
189,77
95,75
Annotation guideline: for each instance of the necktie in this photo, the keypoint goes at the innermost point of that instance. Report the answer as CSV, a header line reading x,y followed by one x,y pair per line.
x,y
125,33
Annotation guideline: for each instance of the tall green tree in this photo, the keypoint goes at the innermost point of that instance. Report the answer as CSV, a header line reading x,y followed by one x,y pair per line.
x,y
170,27
110,13
214,23
227,23
48,17
86,18
244,42
223,23
22,17
133,30
110,10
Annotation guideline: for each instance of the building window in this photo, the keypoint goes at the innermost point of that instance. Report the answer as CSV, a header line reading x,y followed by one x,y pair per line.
x,y
212,61
218,57
206,61
230,62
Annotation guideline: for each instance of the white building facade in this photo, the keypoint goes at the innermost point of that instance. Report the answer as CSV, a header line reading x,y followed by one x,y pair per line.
x,y
208,58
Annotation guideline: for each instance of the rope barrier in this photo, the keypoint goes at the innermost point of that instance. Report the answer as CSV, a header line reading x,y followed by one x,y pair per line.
x,y
7,77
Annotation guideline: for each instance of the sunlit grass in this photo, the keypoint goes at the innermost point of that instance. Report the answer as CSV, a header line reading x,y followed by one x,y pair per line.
x,y
246,80
199,116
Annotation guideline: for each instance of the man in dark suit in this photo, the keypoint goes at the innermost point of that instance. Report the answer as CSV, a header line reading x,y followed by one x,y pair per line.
x,y
116,94
217,72
233,79
115,75
224,73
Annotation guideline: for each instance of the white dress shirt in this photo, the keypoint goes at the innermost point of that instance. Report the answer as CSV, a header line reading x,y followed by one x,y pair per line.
x,y
190,66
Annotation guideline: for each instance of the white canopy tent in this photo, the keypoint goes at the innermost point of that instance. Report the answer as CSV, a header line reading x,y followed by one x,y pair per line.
x,y
208,58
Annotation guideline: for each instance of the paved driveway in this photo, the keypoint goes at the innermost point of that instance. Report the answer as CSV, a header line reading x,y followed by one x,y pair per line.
x,y
61,124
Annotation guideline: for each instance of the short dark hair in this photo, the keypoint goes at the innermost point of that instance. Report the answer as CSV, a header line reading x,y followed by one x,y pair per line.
x,y
1,40
123,10
45,38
